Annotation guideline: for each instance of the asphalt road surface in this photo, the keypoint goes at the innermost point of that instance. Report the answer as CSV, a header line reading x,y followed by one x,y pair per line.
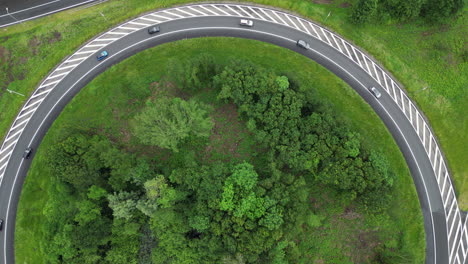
x,y
23,10
399,126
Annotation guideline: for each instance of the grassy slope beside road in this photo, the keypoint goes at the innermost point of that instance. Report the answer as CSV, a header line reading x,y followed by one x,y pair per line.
x,y
119,92
430,61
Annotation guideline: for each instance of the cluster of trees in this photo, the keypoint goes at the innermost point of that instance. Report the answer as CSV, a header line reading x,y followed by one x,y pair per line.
x,y
299,137
108,205
431,10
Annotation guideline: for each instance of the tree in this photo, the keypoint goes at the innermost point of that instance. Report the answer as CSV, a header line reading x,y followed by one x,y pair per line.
x,y
123,204
168,122
363,11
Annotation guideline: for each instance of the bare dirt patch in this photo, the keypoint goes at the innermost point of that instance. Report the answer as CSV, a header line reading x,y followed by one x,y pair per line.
x,y
227,133
345,5
56,36
327,2
169,89
34,44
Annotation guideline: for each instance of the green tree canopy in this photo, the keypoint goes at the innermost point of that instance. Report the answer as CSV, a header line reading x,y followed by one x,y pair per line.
x,y
166,122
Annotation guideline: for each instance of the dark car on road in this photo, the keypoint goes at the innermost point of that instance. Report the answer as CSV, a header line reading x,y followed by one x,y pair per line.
x,y
102,55
153,29
1,224
27,153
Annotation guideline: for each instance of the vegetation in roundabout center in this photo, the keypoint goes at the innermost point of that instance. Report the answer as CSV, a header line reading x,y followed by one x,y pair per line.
x,y
226,157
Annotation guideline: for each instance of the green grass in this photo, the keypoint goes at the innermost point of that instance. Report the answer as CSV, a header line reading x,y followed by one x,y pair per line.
x,y
118,100
418,55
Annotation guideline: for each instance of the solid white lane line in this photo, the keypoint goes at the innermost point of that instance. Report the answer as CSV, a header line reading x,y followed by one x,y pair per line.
x,y
29,8
45,14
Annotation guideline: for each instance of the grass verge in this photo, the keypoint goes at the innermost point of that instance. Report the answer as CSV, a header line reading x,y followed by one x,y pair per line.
x,y
118,100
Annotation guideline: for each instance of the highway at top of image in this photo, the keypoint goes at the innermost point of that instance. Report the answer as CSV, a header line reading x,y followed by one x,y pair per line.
x,y
134,38
17,11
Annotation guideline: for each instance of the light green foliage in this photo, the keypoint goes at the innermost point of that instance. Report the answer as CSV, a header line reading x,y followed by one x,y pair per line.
x,y
123,204
283,82
96,193
167,122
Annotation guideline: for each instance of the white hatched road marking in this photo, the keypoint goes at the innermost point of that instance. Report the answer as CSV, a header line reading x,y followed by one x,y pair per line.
x,y
66,67
271,18
57,75
211,13
315,30
278,16
149,19
220,9
185,12
174,14
117,33
357,58
234,10
258,11
14,134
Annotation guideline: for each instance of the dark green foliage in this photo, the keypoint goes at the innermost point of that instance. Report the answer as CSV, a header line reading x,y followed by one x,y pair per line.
x,y
363,11
194,74
431,10
438,10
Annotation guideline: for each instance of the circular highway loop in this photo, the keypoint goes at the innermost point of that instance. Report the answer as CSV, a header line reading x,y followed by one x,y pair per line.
x,y
446,233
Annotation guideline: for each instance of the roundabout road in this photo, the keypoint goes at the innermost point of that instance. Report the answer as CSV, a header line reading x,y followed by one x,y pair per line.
x,y
444,244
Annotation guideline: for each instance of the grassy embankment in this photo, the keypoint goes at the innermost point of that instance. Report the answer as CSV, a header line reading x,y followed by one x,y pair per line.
x,y
122,89
430,61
